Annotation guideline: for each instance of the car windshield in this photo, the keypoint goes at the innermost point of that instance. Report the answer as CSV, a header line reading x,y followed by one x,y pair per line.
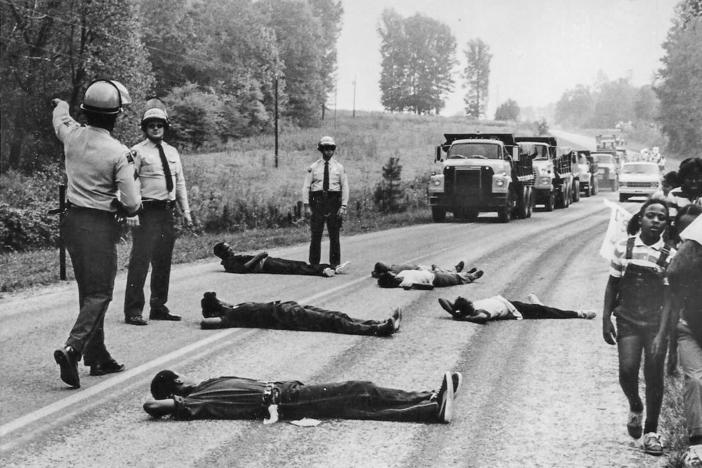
x,y
651,169
473,150
603,158
533,150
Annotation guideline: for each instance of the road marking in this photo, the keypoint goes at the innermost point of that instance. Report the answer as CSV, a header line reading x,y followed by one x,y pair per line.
x,y
82,395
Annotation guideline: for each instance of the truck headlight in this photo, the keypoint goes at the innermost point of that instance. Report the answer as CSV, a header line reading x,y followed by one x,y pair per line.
x,y
499,183
436,183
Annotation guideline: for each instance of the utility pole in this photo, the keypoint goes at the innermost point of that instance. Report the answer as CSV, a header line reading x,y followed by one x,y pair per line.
x,y
353,114
336,92
275,82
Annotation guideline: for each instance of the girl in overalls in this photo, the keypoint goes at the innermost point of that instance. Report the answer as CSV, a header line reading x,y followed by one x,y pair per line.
x,y
638,295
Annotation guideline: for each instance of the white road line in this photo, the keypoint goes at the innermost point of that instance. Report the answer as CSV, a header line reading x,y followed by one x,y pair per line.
x,y
81,395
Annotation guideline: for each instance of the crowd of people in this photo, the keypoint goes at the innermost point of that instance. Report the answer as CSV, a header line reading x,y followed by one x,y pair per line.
x,y
653,291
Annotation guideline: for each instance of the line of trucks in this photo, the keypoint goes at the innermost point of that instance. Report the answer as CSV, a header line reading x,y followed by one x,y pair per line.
x,y
507,174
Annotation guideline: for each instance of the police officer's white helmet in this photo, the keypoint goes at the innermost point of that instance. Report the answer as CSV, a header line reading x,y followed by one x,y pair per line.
x,y
105,97
154,113
326,142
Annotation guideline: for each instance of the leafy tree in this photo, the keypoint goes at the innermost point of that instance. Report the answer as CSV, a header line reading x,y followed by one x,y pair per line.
x,y
645,104
575,107
330,13
508,110
680,80
477,77
389,195
417,62
54,48
614,103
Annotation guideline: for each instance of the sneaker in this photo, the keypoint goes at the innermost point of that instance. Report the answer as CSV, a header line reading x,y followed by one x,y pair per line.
x,y
633,424
587,314
386,329
472,270
693,457
457,380
459,266
652,443
341,268
445,399
533,299
328,272
67,360
396,319
476,275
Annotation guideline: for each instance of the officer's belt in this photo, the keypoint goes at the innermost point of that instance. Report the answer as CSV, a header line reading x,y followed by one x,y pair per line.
x,y
84,209
157,204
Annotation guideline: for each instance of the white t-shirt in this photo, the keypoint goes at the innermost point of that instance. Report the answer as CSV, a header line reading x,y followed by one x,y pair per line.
x,y
410,277
693,231
497,307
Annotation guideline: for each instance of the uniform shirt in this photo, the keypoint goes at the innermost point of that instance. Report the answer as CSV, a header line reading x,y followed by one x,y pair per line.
x,y
152,178
411,277
338,182
497,307
642,254
98,167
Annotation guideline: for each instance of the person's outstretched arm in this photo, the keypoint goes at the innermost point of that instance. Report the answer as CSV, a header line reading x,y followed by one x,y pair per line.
x,y
609,333
158,408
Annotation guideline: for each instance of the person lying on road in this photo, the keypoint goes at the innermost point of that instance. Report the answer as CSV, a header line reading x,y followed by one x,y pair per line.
x,y
242,398
395,268
425,279
290,315
262,263
499,308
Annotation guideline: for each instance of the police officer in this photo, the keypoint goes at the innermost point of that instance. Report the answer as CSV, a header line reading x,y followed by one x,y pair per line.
x,y
100,174
160,174
326,193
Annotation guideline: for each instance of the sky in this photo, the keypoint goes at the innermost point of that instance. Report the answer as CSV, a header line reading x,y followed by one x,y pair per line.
x,y
540,48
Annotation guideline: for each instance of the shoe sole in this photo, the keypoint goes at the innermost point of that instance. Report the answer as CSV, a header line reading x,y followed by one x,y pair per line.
x,y
446,408
69,374
396,320
457,382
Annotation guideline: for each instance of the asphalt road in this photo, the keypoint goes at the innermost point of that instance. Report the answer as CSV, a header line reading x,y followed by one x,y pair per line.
x,y
536,393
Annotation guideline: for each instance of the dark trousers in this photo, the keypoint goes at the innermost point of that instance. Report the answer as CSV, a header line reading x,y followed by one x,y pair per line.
x,y
538,311
292,316
90,237
152,244
281,266
356,400
324,211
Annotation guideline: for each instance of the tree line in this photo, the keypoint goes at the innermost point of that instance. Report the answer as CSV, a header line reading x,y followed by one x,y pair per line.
x,y
215,63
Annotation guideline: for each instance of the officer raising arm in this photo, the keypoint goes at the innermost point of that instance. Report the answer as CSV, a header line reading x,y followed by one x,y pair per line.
x,y
326,193
160,173
100,174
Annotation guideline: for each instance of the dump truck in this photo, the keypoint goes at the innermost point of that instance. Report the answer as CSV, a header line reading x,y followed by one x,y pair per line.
x,y
481,172
553,184
587,173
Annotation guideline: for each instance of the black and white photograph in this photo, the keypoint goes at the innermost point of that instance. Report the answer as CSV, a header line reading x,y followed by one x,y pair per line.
x,y
351,233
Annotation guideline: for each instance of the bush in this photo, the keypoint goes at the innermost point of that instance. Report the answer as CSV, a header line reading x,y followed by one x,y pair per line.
x,y
23,229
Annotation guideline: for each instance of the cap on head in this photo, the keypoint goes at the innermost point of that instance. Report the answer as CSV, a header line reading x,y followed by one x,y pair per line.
x,y
221,249
155,110
326,142
105,97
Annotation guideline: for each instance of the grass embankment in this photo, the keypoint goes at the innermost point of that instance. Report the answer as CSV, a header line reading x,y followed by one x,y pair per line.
x,y
238,195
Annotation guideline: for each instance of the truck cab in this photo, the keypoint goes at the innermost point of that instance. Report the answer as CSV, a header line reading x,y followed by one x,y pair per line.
x,y
553,177
480,172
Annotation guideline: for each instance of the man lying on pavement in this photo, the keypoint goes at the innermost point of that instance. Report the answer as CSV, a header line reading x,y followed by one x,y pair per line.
x,y
425,279
242,398
290,315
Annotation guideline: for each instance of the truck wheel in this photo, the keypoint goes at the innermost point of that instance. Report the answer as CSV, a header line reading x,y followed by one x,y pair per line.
x,y
550,201
438,214
576,191
531,201
523,208
588,191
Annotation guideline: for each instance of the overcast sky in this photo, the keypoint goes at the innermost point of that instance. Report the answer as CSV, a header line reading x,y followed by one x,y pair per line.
x,y
540,48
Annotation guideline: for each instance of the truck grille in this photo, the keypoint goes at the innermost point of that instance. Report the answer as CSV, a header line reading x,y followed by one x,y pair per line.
x,y
467,182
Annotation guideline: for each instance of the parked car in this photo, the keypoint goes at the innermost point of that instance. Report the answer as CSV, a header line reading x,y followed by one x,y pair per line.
x,y
639,179
607,170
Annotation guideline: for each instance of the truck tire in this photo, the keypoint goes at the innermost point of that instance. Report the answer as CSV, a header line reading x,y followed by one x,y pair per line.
x,y
588,191
523,208
576,191
438,214
550,202
560,198
532,201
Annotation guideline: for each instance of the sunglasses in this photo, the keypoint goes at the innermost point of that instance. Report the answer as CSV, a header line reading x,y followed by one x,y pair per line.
x,y
155,125
328,147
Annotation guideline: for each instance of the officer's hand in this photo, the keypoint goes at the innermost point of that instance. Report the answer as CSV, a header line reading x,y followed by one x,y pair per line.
x,y
609,333
133,221
341,212
187,218
307,213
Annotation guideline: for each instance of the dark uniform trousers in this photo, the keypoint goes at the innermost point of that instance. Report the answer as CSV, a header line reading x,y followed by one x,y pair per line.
x,y
538,311
153,243
91,236
290,315
324,207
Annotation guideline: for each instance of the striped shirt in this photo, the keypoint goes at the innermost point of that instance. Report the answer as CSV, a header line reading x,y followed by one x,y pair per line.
x,y
642,254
